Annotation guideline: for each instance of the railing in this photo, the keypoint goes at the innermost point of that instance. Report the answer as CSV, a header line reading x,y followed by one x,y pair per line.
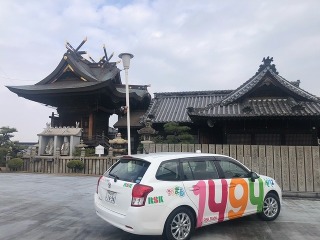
x,y
295,168
92,165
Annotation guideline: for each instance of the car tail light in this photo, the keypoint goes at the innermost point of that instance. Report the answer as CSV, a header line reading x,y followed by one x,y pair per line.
x,y
139,194
98,183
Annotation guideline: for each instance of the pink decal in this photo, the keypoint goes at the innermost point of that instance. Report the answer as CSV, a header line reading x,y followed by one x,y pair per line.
x,y
170,192
213,205
200,189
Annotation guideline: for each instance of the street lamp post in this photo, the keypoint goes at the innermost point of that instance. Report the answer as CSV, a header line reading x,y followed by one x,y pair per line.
x,y
126,64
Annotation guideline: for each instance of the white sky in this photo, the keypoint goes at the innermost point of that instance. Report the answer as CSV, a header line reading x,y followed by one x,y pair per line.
x,y
179,45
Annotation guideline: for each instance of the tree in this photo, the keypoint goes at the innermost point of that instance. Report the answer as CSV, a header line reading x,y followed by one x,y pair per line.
x,y
177,134
6,135
6,144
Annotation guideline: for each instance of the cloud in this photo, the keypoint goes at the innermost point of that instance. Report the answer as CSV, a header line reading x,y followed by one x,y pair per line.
x,y
178,45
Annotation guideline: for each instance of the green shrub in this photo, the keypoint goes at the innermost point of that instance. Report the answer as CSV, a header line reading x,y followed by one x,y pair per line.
x,y
15,163
88,152
75,165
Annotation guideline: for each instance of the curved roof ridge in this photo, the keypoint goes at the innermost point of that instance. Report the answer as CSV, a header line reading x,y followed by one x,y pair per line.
x,y
88,70
62,64
295,89
253,81
244,88
83,69
205,92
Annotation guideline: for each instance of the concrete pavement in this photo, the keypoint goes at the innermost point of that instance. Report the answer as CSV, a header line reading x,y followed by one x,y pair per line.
x,y
47,206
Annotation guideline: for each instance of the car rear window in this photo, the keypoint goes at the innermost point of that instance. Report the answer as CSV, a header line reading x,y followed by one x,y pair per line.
x,y
128,169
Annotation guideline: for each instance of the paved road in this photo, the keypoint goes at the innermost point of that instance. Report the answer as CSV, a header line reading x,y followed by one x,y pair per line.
x,y
43,206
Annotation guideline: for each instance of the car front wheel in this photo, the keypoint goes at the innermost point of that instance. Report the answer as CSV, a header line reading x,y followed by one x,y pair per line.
x,y
179,225
271,207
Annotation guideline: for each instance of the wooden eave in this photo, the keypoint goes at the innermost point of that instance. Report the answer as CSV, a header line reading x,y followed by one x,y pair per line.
x,y
61,92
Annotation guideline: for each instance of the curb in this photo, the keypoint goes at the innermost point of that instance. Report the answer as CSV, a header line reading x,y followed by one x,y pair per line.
x,y
314,195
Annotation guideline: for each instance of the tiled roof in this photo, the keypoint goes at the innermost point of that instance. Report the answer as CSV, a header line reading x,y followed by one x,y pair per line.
x,y
242,102
75,74
260,107
252,82
88,71
167,107
65,131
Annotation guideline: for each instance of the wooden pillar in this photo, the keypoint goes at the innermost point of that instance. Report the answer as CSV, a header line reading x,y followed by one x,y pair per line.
x,y
90,132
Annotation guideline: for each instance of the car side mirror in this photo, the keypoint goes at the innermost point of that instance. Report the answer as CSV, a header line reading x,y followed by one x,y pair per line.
x,y
253,176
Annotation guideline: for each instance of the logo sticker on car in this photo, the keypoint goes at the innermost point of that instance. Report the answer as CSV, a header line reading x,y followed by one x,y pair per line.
x,y
128,185
176,191
109,183
155,200
269,182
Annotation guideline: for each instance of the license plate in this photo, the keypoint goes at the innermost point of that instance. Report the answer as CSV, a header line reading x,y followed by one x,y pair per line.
x,y
111,197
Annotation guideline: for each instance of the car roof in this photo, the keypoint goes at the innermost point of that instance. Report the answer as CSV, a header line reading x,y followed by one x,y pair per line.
x,y
163,156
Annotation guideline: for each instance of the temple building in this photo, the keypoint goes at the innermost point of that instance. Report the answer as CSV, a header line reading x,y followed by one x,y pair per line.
x,y
265,110
85,92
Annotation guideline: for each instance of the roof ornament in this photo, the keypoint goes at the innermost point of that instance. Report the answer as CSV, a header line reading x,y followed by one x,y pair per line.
x,y
267,60
247,109
80,45
77,54
91,59
295,106
105,58
267,63
75,51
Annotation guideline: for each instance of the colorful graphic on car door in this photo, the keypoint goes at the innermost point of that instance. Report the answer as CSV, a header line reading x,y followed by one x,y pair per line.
x,y
222,199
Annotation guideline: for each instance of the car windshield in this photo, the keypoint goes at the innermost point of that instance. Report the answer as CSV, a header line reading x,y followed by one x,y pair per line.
x,y
128,169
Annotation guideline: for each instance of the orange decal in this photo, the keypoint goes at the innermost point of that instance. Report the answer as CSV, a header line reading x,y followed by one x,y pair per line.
x,y
238,201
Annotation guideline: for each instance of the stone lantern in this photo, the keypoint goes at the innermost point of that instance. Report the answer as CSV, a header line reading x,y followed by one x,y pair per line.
x,y
82,148
118,145
147,131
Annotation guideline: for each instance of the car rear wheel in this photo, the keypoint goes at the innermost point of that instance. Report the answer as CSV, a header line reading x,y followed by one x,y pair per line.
x,y
179,225
271,207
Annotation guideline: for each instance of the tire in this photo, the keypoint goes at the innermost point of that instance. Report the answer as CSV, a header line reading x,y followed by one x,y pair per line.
x,y
179,225
271,207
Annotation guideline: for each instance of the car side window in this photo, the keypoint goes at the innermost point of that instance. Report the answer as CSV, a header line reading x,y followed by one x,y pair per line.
x,y
232,170
168,171
187,170
199,170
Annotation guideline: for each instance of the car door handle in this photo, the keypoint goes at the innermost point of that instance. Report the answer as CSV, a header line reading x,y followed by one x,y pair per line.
x,y
194,188
232,186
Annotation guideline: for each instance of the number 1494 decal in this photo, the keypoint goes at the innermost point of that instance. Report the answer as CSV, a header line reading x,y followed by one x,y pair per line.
x,y
238,203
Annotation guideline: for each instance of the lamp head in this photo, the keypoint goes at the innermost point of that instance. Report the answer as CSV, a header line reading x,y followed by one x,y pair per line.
x,y
126,59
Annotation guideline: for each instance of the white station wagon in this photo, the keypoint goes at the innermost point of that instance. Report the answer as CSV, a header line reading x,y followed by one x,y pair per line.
x,y
171,194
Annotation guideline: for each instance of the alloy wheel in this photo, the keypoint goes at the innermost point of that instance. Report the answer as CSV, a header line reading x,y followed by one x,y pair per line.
x,y
181,226
270,207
